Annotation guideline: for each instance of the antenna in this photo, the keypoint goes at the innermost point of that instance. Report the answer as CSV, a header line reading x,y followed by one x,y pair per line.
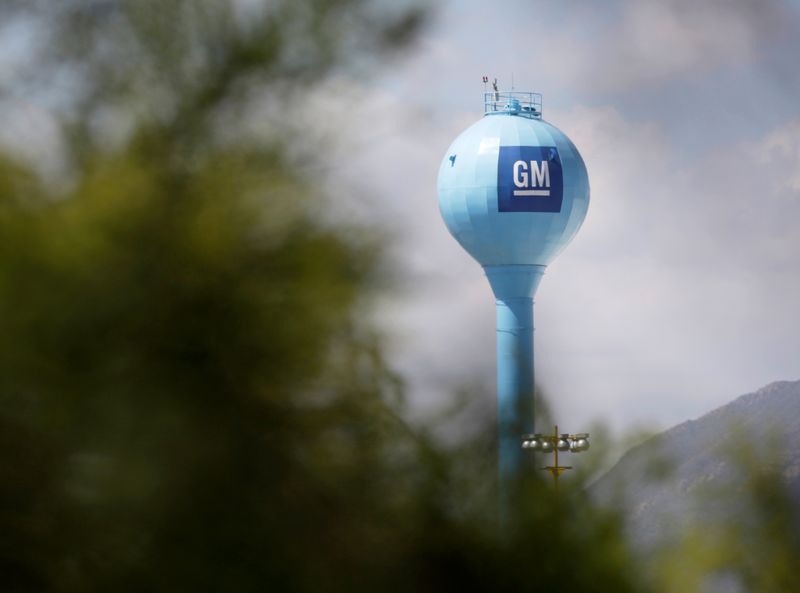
x,y
485,80
512,81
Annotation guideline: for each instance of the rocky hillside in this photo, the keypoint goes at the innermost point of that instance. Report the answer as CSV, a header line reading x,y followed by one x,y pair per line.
x,y
680,477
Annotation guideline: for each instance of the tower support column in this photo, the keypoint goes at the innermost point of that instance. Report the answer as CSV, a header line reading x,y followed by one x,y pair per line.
x,y
515,383
514,287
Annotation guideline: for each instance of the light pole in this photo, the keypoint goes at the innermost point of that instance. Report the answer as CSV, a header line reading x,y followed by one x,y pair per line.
x,y
565,442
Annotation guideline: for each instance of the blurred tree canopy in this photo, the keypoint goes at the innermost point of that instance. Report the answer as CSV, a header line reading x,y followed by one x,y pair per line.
x,y
191,398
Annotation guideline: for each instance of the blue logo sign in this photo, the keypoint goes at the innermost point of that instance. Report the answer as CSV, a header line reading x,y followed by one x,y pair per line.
x,y
529,179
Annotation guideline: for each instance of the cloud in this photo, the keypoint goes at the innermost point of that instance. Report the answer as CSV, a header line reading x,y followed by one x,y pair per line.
x,y
677,292
781,150
661,40
636,43
680,290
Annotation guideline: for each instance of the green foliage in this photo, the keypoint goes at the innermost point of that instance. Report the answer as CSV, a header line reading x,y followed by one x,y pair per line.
x,y
174,347
747,534
191,395
191,402
189,398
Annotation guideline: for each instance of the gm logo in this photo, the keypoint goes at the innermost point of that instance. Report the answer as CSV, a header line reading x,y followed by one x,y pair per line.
x,y
529,179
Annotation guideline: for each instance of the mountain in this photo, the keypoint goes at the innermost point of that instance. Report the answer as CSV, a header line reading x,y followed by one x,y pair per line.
x,y
698,470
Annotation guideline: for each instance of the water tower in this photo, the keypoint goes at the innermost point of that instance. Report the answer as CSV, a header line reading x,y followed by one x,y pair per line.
x,y
513,191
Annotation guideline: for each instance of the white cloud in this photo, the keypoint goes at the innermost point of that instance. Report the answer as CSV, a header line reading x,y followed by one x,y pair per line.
x,y
631,44
781,149
677,294
679,285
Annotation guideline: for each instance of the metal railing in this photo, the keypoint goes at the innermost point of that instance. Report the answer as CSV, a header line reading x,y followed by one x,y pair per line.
x,y
514,102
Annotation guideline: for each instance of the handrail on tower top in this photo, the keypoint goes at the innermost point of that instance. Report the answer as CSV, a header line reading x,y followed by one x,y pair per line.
x,y
520,103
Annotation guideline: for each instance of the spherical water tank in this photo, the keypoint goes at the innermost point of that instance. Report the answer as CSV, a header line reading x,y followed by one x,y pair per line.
x,y
513,189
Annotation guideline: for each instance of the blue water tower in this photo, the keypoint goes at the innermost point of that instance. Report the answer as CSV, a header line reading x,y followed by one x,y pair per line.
x,y
513,191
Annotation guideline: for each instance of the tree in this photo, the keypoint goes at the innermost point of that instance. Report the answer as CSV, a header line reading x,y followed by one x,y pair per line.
x,y
190,397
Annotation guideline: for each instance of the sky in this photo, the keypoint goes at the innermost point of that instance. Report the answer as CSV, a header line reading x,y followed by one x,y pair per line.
x,y
681,291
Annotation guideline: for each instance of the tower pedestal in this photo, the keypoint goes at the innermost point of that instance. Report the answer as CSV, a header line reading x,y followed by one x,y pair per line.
x,y
514,287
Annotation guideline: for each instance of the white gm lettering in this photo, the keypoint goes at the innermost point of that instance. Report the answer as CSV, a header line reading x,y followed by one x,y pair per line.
x,y
521,174
539,178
